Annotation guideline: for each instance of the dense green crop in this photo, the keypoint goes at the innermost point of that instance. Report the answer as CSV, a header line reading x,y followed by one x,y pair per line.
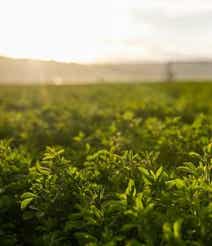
x,y
106,165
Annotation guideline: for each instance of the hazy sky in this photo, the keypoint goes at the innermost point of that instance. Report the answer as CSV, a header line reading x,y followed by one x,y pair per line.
x,y
106,30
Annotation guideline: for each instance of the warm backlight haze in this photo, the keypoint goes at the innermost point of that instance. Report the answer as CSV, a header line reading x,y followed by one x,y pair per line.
x,y
105,30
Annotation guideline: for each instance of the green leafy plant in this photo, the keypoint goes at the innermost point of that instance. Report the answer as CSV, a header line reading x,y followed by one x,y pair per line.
x,y
107,165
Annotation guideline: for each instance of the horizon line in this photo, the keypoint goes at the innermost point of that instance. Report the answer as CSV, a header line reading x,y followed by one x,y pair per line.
x,y
116,62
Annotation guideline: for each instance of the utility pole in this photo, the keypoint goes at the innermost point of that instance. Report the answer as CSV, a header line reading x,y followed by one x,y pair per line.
x,y
169,72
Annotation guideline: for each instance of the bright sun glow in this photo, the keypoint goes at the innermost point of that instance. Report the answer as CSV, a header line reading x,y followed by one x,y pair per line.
x,y
105,30
70,30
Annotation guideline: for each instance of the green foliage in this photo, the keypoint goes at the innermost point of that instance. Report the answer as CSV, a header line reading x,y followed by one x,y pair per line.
x,y
106,165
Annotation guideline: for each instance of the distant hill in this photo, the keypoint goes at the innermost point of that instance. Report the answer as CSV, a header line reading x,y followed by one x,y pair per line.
x,y
36,71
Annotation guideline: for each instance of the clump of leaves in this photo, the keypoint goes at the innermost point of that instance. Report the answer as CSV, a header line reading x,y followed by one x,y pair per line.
x,y
106,165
